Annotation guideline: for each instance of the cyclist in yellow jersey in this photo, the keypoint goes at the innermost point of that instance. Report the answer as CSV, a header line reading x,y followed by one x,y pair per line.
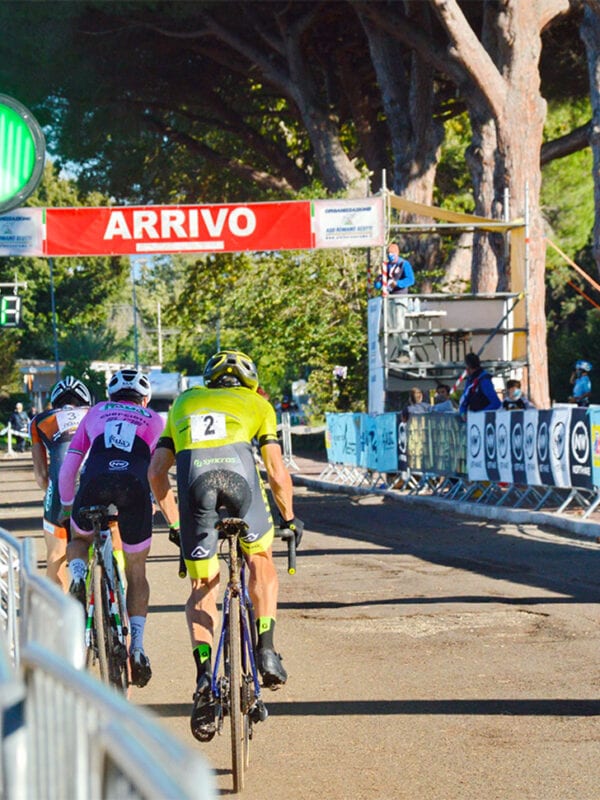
x,y
208,435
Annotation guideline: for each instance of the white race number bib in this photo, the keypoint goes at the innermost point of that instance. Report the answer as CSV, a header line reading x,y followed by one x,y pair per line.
x,y
208,427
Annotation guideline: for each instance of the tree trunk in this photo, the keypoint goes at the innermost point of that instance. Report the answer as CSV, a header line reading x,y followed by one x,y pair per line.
x,y
590,33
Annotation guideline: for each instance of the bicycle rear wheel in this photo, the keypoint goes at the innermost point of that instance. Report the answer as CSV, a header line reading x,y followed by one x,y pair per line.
x,y
234,642
101,619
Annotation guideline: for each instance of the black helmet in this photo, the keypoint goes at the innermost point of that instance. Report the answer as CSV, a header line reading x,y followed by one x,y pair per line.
x,y
70,390
230,368
129,383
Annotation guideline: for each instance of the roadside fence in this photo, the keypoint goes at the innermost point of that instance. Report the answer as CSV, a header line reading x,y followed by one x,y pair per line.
x,y
9,432
63,733
521,459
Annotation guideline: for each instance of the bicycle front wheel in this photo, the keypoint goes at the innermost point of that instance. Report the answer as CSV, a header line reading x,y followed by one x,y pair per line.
x,y
119,666
235,695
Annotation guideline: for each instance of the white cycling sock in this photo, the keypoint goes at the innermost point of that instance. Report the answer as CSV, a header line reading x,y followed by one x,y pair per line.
x,y
78,569
137,633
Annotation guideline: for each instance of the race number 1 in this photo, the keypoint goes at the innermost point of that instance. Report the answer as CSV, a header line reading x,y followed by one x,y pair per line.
x,y
119,434
206,427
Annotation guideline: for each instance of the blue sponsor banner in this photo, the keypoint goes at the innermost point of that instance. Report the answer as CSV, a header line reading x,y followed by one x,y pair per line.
x,y
379,441
343,439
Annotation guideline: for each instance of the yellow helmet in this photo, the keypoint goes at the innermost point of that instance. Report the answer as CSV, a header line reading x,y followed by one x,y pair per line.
x,y
230,368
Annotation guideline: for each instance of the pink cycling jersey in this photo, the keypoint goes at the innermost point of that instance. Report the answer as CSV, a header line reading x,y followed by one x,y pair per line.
x,y
112,424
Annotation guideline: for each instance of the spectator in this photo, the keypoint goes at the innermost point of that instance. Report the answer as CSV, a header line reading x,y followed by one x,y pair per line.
x,y
19,422
514,398
416,404
582,385
442,402
479,394
32,412
400,273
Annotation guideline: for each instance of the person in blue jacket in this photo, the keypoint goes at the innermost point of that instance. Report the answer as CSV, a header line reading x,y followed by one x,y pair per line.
x,y
582,386
479,394
400,273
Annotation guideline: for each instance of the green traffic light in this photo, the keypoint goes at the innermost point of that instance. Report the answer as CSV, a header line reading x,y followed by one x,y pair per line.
x,y
22,151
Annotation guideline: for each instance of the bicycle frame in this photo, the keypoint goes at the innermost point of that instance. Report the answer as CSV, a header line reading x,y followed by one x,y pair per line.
x,y
237,585
105,586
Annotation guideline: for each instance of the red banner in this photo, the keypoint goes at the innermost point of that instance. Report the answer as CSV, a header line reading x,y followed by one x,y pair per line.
x,y
147,230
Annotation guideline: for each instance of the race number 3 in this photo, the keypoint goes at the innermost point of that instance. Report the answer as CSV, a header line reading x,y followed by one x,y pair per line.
x,y
206,427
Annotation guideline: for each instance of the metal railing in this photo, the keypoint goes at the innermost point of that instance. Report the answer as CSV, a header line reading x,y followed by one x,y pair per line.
x,y
62,732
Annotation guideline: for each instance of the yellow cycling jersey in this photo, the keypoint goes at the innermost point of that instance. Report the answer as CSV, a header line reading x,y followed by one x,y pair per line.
x,y
202,418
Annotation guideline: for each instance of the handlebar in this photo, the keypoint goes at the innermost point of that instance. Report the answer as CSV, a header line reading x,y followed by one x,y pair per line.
x,y
285,533
290,537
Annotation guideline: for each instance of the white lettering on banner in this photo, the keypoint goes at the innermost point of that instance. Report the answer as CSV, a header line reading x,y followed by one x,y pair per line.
x,y
177,223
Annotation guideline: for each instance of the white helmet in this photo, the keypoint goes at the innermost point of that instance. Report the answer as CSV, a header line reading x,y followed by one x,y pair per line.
x,y
70,389
130,382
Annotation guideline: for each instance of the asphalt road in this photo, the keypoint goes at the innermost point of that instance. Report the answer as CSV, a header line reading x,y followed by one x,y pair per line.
x,y
430,656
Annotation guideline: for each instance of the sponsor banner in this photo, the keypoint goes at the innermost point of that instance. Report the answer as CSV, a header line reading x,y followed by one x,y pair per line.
x,y
376,369
476,446
150,230
595,439
543,447
22,232
530,426
580,451
379,443
491,447
560,422
517,447
402,443
503,445
343,441
348,223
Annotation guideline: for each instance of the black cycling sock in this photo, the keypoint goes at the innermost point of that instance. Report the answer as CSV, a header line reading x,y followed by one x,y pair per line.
x,y
265,627
202,657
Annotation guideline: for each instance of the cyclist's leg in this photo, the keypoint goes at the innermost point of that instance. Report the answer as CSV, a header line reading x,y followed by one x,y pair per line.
x,y
56,554
55,536
80,539
263,584
197,501
131,494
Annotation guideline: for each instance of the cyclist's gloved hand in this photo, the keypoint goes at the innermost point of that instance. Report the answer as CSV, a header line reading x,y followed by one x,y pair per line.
x,y
174,536
296,526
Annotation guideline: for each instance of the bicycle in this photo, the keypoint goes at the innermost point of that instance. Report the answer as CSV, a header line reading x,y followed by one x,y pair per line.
x,y
106,628
235,681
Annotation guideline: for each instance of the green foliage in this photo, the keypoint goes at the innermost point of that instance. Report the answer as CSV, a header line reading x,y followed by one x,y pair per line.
x,y
291,312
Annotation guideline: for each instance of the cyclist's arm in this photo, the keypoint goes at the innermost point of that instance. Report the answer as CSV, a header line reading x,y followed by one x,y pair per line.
x,y
79,446
279,479
158,477
40,465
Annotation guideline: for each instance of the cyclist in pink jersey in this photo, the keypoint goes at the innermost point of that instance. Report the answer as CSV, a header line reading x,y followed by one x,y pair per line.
x,y
119,435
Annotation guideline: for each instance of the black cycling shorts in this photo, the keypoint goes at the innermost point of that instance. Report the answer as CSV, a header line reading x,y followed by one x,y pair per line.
x,y
119,478
210,480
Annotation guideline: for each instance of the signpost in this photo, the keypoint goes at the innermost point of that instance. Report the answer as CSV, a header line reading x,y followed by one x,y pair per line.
x,y
22,153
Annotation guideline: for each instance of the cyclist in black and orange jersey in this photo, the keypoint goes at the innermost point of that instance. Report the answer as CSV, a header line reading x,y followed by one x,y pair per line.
x,y
208,434
51,433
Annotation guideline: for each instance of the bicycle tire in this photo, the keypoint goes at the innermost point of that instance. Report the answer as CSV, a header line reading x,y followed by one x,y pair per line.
x,y
101,619
238,760
119,670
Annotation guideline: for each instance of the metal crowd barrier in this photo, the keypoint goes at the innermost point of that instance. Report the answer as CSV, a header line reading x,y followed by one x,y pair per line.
x,y
63,734
8,430
548,459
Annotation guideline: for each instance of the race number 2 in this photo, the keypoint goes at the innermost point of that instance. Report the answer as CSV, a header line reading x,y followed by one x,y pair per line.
x,y
206,427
